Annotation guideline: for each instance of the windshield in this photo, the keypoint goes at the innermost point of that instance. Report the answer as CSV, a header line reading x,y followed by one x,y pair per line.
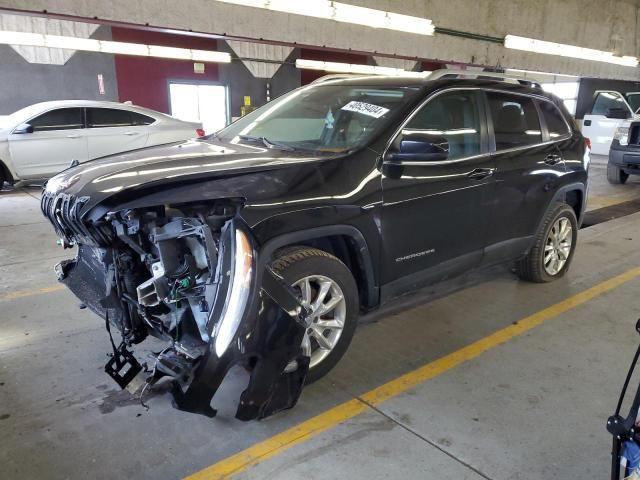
x,y
634,100
329,118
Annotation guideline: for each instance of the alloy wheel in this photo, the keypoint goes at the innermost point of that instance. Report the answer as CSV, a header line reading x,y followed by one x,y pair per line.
x,y
558,245
326,302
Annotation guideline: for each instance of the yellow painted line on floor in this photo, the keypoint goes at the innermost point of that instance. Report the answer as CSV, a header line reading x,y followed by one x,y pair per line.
x,y
307,430
28,293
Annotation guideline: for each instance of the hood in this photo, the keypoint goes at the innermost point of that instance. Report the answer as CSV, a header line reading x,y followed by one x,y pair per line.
x,y
178,163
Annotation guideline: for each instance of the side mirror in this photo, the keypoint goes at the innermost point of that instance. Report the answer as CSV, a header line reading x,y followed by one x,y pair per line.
x,y
618,113
23,128
420,147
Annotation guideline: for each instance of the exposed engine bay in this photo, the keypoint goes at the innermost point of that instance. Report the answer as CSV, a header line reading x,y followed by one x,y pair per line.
x,y
190,276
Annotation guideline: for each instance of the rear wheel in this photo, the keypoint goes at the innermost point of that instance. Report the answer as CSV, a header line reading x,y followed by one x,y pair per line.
x,y
552,252
616,175
326,287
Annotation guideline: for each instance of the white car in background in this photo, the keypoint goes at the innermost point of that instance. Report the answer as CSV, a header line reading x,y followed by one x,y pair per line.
x,y
608,112
41,140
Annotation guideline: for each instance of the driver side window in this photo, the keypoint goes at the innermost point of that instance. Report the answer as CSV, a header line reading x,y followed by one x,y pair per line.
x,y
453,116
607,100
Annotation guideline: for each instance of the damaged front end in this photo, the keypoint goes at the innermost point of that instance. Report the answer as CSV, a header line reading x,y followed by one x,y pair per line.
x,y
190,276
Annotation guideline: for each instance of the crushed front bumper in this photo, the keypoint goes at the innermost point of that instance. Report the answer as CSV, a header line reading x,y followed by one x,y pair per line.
x,y
254,319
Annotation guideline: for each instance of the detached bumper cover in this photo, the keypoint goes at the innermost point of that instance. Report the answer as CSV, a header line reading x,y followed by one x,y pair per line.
x,y
271,335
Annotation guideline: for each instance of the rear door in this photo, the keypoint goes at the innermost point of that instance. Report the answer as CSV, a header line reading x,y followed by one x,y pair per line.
x,y
526,137
113,130
599,124
58,138
434,215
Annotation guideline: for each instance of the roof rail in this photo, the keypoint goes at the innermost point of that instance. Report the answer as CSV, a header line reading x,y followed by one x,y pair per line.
x,y
459,73
337,76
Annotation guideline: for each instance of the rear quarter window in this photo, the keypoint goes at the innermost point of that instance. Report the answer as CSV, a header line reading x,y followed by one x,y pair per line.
x,y
556,125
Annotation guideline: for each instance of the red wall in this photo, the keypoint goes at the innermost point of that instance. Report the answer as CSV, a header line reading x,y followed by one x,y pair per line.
x,y
308,76
145,80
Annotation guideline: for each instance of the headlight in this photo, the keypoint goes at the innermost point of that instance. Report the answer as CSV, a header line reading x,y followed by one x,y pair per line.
x,y
238,295
622,133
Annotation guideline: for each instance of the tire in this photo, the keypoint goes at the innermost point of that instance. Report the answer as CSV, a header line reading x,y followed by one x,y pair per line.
x,y
532,267
299,263
616,175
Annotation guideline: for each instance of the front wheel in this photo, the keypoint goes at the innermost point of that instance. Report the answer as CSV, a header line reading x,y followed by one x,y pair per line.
x,y
616,175
554,246
327,288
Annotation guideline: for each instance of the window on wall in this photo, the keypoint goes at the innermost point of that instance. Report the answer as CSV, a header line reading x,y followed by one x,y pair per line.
x,y
515,120
200,103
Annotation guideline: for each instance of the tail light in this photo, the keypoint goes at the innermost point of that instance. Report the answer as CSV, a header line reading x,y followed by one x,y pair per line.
x,y
199,132
587,142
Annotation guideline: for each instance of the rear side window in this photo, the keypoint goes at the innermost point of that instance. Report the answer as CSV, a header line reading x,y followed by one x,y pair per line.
x,y
607,100
140,119
61,119
108,117
515,120
454,116
556,124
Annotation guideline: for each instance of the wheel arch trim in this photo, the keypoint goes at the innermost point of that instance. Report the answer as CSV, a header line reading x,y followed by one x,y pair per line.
x,y
363,252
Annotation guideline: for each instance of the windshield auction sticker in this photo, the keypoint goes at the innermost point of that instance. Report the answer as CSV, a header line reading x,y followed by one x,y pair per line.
x,y
365,109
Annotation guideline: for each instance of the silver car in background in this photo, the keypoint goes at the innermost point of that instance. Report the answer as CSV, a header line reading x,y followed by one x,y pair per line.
x,y
43,139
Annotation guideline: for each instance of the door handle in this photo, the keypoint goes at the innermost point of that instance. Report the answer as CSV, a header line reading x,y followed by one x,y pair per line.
x,y
73,136
130,133
553,159
480,173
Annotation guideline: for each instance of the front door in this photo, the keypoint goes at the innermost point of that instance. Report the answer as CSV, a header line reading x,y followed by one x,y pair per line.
x,y
58,138
598,127
434,215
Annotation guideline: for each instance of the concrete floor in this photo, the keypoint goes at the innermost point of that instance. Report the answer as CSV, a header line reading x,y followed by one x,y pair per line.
x,y
532,408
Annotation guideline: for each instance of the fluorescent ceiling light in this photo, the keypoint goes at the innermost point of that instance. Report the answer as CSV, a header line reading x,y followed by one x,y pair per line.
x,y
22,38
106,46
169,52
550,48
72,43
210,56
336,67
345,13
124,48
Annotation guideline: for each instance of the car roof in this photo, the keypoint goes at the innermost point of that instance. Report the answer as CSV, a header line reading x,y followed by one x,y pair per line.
x,y
45,106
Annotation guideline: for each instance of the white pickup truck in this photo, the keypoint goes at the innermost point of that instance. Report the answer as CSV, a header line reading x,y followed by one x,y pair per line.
x,y
608,111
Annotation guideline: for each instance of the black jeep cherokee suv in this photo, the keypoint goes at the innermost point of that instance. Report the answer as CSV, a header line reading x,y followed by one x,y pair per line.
x,y
261,244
